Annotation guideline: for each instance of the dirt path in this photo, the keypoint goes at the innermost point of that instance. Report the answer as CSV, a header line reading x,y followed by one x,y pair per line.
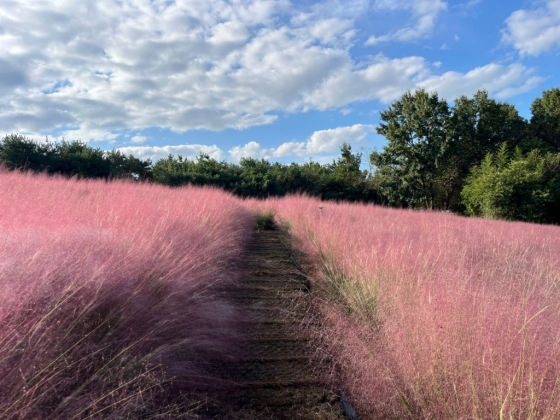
x,y
276,380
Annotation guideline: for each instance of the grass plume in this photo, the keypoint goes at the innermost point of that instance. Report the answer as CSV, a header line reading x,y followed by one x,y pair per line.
x,y
107,297
465,311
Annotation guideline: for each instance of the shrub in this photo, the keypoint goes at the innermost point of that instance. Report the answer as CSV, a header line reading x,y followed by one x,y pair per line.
x,y
515,188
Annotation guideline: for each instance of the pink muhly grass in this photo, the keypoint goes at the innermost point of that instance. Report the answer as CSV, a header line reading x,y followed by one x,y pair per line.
x,y
108,300
449,317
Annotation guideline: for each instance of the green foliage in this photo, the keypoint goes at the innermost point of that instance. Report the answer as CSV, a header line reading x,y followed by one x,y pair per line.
x,y
257,179
478,126
205,170
431,146
416,128
545,122
122,166
17,151
78,159
73,158
518,187
341,180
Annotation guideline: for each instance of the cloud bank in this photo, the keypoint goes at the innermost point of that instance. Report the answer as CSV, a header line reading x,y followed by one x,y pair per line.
x,y
92,70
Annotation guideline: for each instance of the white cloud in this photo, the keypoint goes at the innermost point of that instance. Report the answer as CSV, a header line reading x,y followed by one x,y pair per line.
x,y
320,142
471,3
189,151
138,139
94,69
534,31
330,30
251,149
501,81
384,79
341,8
325,141
424,15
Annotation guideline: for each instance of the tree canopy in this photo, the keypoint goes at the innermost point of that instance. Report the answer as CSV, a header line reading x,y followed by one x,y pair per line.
x,y
416,128
432,146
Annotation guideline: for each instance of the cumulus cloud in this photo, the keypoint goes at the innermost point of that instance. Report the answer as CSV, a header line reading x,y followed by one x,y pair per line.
x,y
501,81
424,15
93,70
383,79
138,139
534,31
189,151
320,142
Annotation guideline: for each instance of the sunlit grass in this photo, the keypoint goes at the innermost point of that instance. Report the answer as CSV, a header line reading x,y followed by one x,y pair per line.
x,y
464,311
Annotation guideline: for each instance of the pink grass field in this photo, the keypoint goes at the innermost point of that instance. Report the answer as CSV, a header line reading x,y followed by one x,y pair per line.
x,y
436,316
107,296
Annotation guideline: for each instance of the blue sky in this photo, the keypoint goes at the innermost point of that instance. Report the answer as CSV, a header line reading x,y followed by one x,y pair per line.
x,y
277,79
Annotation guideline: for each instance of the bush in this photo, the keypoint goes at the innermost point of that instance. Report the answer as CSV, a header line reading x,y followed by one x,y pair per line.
x,y
517,187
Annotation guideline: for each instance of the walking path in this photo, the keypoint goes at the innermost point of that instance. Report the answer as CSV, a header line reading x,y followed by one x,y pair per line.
x,y
277,379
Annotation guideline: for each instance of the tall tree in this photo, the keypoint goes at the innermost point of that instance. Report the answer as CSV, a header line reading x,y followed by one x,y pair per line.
x,y
415,127
478,126
123,166
545,121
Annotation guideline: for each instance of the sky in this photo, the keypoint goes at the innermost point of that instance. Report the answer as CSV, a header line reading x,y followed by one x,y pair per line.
x,y
287,81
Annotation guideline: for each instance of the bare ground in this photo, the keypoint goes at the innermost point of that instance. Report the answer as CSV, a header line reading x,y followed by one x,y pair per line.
x,y
278,378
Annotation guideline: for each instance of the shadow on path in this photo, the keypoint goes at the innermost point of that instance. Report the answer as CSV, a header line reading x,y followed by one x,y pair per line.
x,y
275,379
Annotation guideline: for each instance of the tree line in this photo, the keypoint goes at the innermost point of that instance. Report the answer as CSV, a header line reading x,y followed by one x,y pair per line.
x,y
340,180
476,156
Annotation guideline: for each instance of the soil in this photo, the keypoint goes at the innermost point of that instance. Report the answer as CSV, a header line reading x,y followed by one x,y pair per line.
x,y
278,378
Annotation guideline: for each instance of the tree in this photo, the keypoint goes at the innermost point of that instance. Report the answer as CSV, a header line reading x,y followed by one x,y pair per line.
x,y
257,179
346,181
76,158
122,166
518,187
477,126
545,121
202,171
415,127
20,152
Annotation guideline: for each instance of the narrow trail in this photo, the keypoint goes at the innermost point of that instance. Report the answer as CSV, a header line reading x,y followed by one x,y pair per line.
x,y
277,379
